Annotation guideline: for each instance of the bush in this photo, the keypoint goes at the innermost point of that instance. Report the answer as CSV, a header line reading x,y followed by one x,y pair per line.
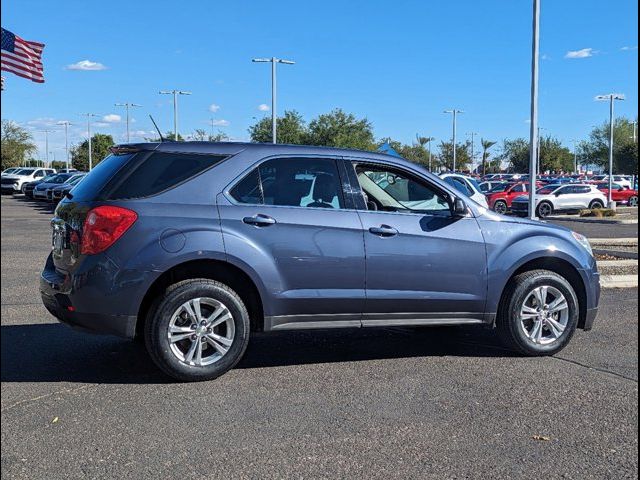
x,y
598,213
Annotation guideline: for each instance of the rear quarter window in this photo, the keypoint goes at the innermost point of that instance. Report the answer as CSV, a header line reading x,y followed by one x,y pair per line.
x,y
158,172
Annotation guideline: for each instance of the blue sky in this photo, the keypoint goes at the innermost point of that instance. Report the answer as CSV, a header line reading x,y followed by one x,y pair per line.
x,y
399,63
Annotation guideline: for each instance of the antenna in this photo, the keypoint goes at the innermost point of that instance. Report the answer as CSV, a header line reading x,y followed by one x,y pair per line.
x,y
162,139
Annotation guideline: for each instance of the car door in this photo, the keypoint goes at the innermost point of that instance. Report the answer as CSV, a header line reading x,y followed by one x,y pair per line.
x,y
422,263
515,192
289,219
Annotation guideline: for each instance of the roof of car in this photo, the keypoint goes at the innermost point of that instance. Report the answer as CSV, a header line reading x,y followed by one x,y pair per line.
x,y
262,149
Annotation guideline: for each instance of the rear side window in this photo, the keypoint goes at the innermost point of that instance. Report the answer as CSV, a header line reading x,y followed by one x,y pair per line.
x,y
98,177
160,171
293,182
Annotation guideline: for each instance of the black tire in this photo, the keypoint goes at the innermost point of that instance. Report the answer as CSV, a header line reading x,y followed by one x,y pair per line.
x,y
508,321
633,201
544,209
159,317
500,207
596,204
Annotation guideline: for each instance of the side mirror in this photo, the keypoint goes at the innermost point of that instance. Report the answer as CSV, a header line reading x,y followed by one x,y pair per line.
x,y
459,208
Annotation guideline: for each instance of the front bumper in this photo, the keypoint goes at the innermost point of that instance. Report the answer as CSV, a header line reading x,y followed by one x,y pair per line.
x,y
11,187
40,194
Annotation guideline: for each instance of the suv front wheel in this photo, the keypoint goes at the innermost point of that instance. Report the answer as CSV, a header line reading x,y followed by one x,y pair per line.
x,y
198,330
538,313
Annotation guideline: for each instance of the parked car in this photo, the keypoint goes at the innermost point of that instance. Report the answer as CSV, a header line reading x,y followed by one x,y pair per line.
x,y
619,179
40,190
619,194
500,202
561,198
55,194
467,186
28,188
195,246
15,182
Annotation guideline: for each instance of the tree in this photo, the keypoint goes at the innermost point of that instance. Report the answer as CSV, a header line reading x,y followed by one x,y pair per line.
x,y
516,154
596,150
291,129
422,141
17,144
486,145
100,144
341,129
554,157
463,157
200,135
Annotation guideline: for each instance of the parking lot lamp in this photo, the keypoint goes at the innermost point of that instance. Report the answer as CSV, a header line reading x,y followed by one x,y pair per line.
x,y
175,94
575,156
273,61
89,115
127,105
46,146
533,126
473,155
66,124
455,115
611,97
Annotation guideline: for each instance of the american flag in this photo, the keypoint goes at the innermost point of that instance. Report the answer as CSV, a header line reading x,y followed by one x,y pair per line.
x,y
22,57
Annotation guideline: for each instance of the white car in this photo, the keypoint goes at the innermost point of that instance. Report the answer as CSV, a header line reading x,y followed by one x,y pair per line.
x,y
9,171
467,186
558,198
622,180
15,182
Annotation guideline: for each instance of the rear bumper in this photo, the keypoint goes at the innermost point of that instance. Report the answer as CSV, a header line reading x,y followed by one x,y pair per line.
x,y
98,299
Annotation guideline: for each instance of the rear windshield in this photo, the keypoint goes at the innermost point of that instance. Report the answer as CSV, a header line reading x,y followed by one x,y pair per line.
x,y
96,179
160,171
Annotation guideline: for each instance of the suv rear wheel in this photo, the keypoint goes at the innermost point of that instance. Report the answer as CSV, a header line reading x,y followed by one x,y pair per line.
x,y
500,207
545,209
538,313
198,330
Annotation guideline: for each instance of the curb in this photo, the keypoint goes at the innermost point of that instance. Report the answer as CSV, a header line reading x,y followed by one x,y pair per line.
x,y
617,263
588,220
619,281
626,241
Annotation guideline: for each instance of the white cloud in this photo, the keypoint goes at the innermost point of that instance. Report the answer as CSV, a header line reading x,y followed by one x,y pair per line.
x,y
263,107
583,53
101,124
111,118
214,108
220,123
143,134
42,122
544,56
86,65
629,49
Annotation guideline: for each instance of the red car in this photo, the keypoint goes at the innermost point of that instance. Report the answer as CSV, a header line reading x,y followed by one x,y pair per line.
x,y
619,194
500,202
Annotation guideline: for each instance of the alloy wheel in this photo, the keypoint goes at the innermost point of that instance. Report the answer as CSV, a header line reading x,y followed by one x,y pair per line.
x,y
544,315
500,207
633,201
544,210
201,331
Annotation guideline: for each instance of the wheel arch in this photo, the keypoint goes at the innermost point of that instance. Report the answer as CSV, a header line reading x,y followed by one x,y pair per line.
x,y
229,274
562,267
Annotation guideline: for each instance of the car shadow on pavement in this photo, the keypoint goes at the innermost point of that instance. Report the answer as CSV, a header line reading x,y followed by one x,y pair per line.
x,y
39,206
56,353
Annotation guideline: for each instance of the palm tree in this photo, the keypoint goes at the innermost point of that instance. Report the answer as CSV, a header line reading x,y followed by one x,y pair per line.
x,y
422,141
486,145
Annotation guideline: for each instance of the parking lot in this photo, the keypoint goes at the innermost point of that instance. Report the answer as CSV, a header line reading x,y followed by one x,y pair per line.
x,y
374,403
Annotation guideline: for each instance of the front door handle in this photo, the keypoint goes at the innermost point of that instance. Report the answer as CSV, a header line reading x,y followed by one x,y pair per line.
x,y
259,220
384,231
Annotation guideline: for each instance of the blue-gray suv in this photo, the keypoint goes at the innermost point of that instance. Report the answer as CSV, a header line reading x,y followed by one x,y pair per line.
x,y
194,246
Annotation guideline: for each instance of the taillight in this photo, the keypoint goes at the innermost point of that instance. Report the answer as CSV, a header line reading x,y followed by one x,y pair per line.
x,y
103,226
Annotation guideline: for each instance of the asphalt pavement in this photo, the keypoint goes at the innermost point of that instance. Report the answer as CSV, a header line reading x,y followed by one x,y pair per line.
x,y
370,403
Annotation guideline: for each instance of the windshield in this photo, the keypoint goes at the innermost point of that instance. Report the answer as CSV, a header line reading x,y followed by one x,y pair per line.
x,y
24,171
75,180
548,189
501,187
49,177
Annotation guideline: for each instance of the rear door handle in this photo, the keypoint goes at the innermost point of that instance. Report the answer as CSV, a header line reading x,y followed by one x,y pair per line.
x,y
384,231
259,220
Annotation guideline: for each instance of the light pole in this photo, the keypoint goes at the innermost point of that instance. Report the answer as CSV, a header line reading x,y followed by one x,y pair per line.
x,y
66,124
575,156
473,156
611,97
89,115
431,139
538,165
273,61
127,105
46,145
455,114
635,131
533,126
175,94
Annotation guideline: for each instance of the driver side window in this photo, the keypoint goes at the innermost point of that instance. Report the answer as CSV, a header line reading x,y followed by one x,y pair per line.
x,y
395,191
